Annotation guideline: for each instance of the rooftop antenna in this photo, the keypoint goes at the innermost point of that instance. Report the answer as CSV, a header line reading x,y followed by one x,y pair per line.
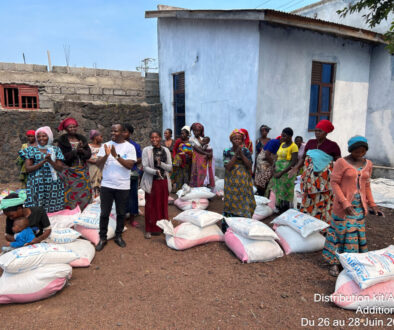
x,y
49,61
144,67
24,59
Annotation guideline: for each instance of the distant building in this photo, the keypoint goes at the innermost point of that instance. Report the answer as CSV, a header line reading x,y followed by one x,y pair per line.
x,y
242,68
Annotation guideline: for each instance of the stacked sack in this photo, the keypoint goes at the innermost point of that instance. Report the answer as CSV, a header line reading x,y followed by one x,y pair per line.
x,y
299,232
251,240
88,223
193,198
198,227
34,272
263,208
367,280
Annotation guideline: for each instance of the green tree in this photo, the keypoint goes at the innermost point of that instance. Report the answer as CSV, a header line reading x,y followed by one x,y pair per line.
x,y
377,12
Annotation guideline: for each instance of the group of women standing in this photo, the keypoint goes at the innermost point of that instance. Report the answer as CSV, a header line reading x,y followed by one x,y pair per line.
x,y
57,175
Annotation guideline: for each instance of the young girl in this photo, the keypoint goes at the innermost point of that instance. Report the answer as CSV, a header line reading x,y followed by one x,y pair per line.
x,y
352,196
95,172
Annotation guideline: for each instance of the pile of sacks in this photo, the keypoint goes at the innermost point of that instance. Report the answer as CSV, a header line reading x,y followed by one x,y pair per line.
x,y
367,280
40,270
299,232
264,208
193,198
197,227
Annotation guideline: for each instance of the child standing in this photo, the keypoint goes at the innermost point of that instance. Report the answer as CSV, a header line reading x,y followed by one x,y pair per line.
x,y
350,181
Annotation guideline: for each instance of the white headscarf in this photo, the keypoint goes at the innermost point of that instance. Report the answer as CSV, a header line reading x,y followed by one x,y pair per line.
x,y
47,130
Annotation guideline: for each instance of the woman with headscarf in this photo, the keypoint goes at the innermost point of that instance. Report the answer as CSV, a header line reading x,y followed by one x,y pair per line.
x,y
13,208
247,143
95,172
45,187
31,141
238,185
76,151
202,160
283,183
156,162
182,155
318,160
350,181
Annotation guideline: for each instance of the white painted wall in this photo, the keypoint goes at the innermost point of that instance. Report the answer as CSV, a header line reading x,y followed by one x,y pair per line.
x,y
286,56
328,12
380,117
220,61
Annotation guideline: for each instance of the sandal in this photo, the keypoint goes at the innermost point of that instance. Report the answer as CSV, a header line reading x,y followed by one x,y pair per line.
x,y
334,271
148,235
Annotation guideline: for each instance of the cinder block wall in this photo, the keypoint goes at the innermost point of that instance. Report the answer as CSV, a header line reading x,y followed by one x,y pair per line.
x,y
83,84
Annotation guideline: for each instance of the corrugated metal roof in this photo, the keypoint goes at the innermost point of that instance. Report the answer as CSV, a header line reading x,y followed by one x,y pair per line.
x,y
272,16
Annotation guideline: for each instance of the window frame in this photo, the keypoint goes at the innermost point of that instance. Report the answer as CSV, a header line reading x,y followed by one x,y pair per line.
x,y
174,93
23,91
319,113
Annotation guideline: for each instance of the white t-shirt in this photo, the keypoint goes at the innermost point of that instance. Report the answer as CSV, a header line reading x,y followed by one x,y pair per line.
x,y
115,175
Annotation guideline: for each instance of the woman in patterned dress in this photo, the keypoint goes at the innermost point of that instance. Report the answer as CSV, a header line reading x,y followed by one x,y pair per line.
x,y
182,155
318,161
45,188
76,151
238,185
202,172
352,197
283,182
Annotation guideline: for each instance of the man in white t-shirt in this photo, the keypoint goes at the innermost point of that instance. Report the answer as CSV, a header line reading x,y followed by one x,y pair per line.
x,y
118,157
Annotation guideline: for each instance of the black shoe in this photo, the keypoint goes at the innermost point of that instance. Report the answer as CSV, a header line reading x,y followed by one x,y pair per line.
x,y
119,240
101,244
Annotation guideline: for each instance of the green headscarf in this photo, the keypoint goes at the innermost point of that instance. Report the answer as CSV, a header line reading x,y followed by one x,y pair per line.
x,y
11,202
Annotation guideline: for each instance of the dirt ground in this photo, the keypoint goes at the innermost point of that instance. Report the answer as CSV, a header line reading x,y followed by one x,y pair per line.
x,y
148,285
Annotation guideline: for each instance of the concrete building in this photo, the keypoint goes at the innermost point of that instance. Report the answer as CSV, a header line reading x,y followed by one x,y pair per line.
x,y
31,97
243,68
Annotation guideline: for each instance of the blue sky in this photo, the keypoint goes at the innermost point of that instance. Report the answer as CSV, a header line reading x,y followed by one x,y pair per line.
x,y
109,34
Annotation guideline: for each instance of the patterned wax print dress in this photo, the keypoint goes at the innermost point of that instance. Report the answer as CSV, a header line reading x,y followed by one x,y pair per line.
x,y
348,234
42,188
238,187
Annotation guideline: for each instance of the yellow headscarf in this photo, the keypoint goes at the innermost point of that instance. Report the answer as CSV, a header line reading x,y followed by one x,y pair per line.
x,y
237,131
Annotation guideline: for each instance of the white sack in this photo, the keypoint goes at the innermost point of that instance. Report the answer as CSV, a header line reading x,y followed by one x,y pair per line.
x,y
33,285
251,229
187,235
36,255
292,242
300,222
369,268
201,218
65,235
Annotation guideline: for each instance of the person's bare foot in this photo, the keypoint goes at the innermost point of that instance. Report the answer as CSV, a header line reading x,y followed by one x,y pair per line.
x,y
148,235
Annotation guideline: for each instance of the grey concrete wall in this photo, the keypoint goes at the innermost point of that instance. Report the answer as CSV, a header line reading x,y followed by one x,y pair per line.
x,y
83,84
14,124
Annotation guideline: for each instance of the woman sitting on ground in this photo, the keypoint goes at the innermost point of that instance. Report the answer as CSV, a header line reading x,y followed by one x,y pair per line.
x,y
238,185
43,164
283,182
76,151
156,162
350,181
13,208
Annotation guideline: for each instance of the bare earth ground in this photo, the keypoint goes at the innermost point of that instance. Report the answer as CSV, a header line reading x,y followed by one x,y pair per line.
x,y
148,285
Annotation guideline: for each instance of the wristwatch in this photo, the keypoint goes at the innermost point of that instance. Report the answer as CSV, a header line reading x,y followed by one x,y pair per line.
x,y
117,156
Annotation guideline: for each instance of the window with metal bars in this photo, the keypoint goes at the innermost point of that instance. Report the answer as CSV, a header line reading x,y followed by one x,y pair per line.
x,y
179,102
19,97
322,84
